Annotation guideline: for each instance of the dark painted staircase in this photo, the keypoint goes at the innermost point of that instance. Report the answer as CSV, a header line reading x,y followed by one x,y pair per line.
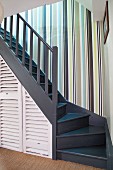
x,y
80,134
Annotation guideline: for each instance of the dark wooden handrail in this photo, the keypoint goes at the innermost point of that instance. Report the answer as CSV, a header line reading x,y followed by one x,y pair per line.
x,y
41,39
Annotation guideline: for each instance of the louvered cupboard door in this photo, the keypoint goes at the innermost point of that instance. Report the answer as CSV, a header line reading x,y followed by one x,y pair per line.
x,y
10,109
37,130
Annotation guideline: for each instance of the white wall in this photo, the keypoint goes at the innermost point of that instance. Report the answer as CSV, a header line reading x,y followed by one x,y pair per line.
x,y
108,73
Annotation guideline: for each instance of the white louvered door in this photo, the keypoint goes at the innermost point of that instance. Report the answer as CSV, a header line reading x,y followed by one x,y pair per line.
x,y
37,130
10,109
23,126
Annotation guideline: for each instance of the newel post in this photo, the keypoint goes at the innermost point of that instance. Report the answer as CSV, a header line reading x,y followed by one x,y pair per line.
x,y
55,74
54,98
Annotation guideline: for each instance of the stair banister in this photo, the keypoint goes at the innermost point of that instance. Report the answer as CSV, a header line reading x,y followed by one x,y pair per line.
x,y
53,51
41,39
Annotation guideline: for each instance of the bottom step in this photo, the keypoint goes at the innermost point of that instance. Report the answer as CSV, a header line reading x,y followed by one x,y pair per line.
x,y
92,156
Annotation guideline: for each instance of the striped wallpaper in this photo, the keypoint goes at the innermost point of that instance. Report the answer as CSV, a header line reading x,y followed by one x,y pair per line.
x,y
70,26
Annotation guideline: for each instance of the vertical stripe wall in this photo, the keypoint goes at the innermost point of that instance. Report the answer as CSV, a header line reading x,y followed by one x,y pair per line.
x,y
70,26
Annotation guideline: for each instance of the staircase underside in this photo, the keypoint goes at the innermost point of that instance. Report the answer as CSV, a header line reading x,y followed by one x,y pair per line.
x,y
80,134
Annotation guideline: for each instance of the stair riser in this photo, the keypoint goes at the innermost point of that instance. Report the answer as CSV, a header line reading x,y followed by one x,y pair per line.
x,y
34,69
49,88
42,78
58,100
80,141
19,50
61,112
72,125
2,33
62,99
96,162
8,39
13,44
26,60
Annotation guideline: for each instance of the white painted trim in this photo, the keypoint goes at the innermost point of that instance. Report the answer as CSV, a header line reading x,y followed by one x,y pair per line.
x,y
20,116
24,122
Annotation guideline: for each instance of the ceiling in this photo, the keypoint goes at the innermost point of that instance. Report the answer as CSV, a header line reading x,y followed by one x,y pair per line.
x,y
12,7
97,7
86,3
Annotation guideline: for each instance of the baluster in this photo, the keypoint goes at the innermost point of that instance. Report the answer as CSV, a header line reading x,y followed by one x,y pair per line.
x,y
46,70
11,30
38,62
24,44
31,51
17,34
5,27
54,74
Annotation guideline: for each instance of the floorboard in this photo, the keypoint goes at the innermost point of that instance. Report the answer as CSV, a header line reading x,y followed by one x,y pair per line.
x,y
11,160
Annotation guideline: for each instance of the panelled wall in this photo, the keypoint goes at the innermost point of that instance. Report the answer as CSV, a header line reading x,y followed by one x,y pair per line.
x,y
70,26
23,126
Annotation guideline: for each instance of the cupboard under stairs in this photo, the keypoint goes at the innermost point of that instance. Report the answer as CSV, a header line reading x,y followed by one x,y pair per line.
x,y
23,126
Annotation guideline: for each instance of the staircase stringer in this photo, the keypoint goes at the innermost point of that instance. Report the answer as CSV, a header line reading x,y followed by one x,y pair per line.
x,y
27,81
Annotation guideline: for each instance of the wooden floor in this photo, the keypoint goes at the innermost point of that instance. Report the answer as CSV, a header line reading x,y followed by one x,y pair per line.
x,y
11,160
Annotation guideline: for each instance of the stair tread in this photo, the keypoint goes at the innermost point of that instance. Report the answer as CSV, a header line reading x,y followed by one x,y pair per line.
x,y
35,66
61,105
50,84
71,116
93,151
86,130
41,74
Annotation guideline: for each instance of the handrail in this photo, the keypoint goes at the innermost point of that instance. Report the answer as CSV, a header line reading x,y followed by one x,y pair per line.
x,y
35,32
48,52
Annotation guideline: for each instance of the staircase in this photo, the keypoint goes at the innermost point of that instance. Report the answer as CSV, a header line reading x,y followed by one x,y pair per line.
x,y
78,134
